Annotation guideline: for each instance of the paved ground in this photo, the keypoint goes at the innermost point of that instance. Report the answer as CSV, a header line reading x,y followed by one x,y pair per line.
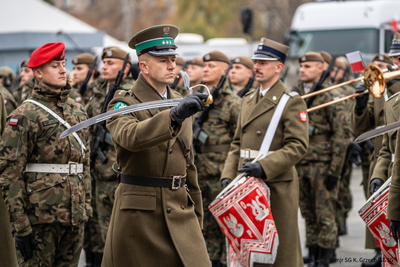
x,y
351,252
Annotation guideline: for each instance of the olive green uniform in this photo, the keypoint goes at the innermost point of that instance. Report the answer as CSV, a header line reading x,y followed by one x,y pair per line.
x,y
219,126
52,206
329,136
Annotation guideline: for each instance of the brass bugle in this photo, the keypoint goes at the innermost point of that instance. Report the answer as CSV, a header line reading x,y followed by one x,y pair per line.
x,y
341,84
374,81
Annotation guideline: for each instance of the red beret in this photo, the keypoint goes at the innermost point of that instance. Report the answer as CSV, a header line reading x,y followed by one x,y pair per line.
x,y
45,53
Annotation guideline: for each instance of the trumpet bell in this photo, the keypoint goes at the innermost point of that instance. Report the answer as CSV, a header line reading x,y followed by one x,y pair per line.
x,y
374,81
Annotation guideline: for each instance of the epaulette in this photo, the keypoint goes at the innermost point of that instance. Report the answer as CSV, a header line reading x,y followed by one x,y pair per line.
x,y
292,94
121,92
248,93
393,96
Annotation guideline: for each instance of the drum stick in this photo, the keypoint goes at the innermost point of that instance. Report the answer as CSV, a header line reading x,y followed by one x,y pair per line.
x,y
229,186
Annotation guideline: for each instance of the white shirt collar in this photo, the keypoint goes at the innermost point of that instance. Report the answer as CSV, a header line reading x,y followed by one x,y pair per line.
x,y
263,92
165,95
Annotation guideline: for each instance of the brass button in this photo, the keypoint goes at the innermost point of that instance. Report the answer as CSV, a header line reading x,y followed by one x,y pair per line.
x,y
183,207
72,145
170,151
29,191
258,132
64,178
73,195
169,210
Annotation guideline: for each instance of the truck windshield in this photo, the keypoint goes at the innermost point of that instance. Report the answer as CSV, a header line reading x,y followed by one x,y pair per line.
x,y
335,42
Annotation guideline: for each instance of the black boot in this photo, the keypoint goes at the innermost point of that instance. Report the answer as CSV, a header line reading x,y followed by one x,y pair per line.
x,y
313,256
376,261
323,257
306,259
89,258
333,256
98,258
343,230
217,264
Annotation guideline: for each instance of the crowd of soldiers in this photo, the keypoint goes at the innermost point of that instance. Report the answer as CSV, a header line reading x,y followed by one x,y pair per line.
x,y
61,198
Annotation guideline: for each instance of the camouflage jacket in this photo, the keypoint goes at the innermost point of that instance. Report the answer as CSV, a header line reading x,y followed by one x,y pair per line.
x,y
329,130
220,126
74,94
9,100
24,91
31,135
101,171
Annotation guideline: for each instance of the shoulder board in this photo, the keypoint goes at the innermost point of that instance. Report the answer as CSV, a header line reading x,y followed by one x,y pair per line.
x,y
248,93
121,92
292,94
393,96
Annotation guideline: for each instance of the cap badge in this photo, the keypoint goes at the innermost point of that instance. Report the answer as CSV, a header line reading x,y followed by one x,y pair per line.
x,y
237,60
262,41
75,61
380,57
260,47
303,58
109,53
166,31
63,54
207,57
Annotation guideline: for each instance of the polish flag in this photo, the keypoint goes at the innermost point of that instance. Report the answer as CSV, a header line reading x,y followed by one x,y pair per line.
x,y
356,61
13,121
394,25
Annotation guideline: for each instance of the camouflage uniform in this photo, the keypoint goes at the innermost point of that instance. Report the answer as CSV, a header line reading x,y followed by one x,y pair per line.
x,y
329,135
52,206
9,100
74,94
24,91
106,179
220,126
182,90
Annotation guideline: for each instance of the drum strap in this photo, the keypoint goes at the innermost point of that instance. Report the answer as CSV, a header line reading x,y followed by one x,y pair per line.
x,y
269,135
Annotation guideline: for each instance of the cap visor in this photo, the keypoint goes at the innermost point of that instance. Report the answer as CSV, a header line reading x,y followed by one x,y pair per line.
x,y
394,52
169,52
263,57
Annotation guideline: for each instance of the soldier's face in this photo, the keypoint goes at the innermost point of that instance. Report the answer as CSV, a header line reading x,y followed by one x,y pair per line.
x,y
52,74
110,68
195,73
160,70
266,70
26,74
396,60
310,71
213,70
239,74
79,72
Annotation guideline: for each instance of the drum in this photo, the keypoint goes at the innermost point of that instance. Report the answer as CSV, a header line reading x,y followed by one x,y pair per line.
x,y
373,214
244,216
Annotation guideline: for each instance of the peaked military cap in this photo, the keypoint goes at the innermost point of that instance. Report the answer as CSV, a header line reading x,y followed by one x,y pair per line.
x,y
179,61
84,58
395,48
270,50
114,52
311,56
46,53
157,41
216,56
196,61
382,58
245,61
326,56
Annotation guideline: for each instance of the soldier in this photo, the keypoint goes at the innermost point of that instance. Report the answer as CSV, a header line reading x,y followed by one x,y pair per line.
x,y
320,169
157,215
288,146
394,52
9,100
105,179
195,69
240,74
82,64
7,78
177,85
367,115
327,58
25,83
217,128
45,179
8,254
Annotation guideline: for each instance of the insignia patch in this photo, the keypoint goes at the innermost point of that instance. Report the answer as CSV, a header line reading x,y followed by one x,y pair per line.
x,y
63,54
237,60
90,99
109,53
166,31
75,61
78,99
303,58
13,121
119,105
5,101
303,116
50,122
207,57
380,57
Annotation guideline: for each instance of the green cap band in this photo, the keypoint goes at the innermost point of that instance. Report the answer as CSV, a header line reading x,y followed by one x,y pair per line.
x,y
154,42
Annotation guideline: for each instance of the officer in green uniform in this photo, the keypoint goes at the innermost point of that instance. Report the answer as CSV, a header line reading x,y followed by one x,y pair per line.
x,y
157,215
45,179
240,74
105,178
218,128
319,170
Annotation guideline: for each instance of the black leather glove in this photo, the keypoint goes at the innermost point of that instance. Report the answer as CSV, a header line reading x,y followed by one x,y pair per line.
x,y
354,153
26,244
374,185
225,182
361,100
330,182
190,105
253,169
395,227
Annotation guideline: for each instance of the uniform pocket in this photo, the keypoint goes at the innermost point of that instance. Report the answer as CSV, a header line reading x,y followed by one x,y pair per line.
x,y
138,201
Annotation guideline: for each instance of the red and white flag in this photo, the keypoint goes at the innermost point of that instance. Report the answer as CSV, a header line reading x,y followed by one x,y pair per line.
x,y
394,25
356,61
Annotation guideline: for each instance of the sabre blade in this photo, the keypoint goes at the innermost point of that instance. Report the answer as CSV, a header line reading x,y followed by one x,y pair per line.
x,y
124,110
378,131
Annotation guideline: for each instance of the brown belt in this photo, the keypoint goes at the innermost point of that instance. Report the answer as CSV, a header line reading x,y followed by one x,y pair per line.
x,y
215,148
173,182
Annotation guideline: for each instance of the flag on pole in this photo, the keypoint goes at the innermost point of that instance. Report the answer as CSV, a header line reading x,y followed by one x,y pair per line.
x,y
394,25
356,61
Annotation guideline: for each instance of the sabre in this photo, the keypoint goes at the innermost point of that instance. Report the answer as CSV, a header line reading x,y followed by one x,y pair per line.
x,y
378,131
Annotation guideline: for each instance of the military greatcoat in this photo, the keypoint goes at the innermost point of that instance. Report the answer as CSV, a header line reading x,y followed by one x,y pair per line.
x,y
153,226
289,145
